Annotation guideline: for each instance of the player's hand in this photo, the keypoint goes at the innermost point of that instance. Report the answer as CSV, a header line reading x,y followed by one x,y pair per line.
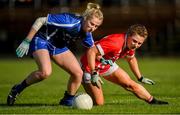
x,y
23,48
146,80
106,62
95,79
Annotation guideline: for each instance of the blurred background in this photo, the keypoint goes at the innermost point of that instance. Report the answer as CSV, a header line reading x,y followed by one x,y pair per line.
x,y
161,17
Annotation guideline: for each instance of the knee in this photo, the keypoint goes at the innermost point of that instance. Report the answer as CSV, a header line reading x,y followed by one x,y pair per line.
x,y
99,103
132,86
78,75
44,74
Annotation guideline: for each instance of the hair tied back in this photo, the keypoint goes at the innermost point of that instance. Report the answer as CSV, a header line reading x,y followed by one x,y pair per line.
x,y
93,5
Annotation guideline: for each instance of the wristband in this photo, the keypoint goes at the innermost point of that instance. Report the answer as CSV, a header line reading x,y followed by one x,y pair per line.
x,y
93,72
27,40
101,59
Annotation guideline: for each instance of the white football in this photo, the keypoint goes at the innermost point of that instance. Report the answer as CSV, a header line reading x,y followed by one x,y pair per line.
x,y
83,101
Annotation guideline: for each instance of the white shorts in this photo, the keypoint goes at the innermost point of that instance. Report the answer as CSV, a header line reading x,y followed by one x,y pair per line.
x,y
87,76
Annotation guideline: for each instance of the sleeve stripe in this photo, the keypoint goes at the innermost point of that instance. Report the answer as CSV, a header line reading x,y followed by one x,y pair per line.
x,y
63,25
100,49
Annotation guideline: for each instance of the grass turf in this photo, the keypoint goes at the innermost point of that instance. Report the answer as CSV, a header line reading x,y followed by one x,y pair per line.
x,y
43,97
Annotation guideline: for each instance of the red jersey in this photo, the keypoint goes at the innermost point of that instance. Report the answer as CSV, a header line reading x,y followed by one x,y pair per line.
x,y
110,47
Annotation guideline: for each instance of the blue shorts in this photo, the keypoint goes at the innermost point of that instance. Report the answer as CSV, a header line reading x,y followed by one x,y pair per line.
x,y
39,43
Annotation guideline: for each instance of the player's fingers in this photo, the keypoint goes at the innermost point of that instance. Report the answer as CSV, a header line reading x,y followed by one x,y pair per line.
x,y
19,52
148,83
22,52
151,81
100,80
17,49
26,52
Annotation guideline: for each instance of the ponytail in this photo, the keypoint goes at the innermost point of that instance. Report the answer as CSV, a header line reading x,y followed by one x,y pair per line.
x,y
93,10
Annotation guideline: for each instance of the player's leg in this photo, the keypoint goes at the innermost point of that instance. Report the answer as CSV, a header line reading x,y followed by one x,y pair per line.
x,y
44,70
43,61
69,63
95,92
120,77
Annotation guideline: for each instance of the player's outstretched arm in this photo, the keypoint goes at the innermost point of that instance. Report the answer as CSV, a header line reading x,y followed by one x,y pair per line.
x,y
24,46
133,63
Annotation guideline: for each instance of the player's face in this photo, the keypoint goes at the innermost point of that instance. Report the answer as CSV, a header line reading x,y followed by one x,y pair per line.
x,y
91,24
135,41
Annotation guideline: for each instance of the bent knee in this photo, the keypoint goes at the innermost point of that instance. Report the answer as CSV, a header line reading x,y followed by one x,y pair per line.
x,y
78,75
99,103
131,86
44,74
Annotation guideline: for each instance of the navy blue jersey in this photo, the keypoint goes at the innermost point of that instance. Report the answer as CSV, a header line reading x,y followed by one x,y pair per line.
x,y
60,29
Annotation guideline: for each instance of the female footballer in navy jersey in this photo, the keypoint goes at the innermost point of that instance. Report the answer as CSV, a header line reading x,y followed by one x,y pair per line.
x,y
48,39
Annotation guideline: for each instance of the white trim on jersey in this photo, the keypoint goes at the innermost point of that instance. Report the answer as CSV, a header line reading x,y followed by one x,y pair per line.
x,y
87,76
127,56
110,70
63,25
101,51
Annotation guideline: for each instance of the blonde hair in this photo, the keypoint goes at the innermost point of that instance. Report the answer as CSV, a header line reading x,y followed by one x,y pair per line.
x,y
138,29
93,10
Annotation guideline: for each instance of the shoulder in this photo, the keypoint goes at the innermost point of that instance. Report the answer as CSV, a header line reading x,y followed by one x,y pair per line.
x,y
66,17
72,17
114,38
114,41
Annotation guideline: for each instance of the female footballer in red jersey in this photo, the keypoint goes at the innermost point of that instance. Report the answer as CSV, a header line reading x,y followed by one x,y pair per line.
x,y
100,59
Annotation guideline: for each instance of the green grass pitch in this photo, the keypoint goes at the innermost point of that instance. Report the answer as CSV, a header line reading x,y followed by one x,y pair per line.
x,y
43,97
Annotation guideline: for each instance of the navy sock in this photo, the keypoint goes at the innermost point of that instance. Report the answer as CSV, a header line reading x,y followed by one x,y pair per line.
x,y
155,101
67,95
20,87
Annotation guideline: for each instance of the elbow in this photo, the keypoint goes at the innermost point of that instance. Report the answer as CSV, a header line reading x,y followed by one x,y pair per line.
x,y
38,23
